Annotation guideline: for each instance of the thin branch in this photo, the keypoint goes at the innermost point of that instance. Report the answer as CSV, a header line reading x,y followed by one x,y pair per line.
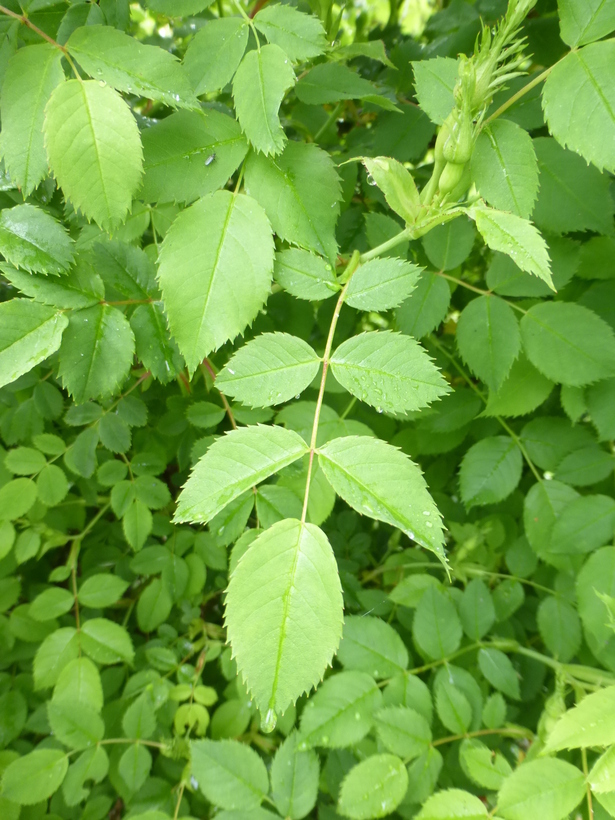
x,y
207,365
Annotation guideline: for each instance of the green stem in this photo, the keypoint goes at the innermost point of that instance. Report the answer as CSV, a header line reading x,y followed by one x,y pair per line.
x,y
396,240
331,118
510,732
512,100
250,23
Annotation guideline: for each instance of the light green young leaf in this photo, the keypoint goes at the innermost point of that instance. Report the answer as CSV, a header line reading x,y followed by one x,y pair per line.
x,y
434,83
76,725
332,82
289,574
214,53
482,765
426,307
330,716
93,764
154,346
397,185
436,628
29,333
203,311
16,498
547,788
79,682
34,777
106,642
94,149
453,804
190,154
488,339
178,8
382,284
101,590
504,167
573,196
373,788
31,75
234,463
371,645
603,771
294,779
378,480
590,723
269,370
300,193
490,470
584,82
304,275
126,64
32,239
300,36
230,774
55,652
96,352
24,461
81,287
50,604
262,79
516,237
582,21
134,766
568,343
388,370
137,524
403,731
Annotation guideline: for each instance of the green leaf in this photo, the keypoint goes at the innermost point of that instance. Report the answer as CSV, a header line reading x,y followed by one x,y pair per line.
x,y
378,480
434,83
289,574
488,339
546,788
50,604
560,627
16,498
134,766
397,185
476,609
137,524
154,346
79,682
304,275
106,642
573,196
33,240
125,64
584,82
453,804
178,8
214,53
94,149
232,465
590,723
294,779
448,245
34,777
24,461
499,671
81,287
300,192
436,627
262,79
388,370
76,725
599,401
543,504
330,715
139,719
204,414
190,154
482,765
154,606
300,36
515,237
585,525
330,83
31,75
373,788
403,731
29,333
99,591
601,776
382,284
230,774
96,352
490,470
504,167
372,50
568,343
523,390
426,307
269,370
203,311
582,21
373,646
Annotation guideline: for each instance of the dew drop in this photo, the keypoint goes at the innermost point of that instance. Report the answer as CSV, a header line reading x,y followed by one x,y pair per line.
x,y
371,180
232,372
268,725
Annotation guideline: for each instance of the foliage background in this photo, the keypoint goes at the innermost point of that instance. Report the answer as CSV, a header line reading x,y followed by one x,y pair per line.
x,y
119,696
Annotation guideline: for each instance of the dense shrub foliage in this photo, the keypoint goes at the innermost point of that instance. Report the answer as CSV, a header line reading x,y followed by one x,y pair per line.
x,y
307,408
